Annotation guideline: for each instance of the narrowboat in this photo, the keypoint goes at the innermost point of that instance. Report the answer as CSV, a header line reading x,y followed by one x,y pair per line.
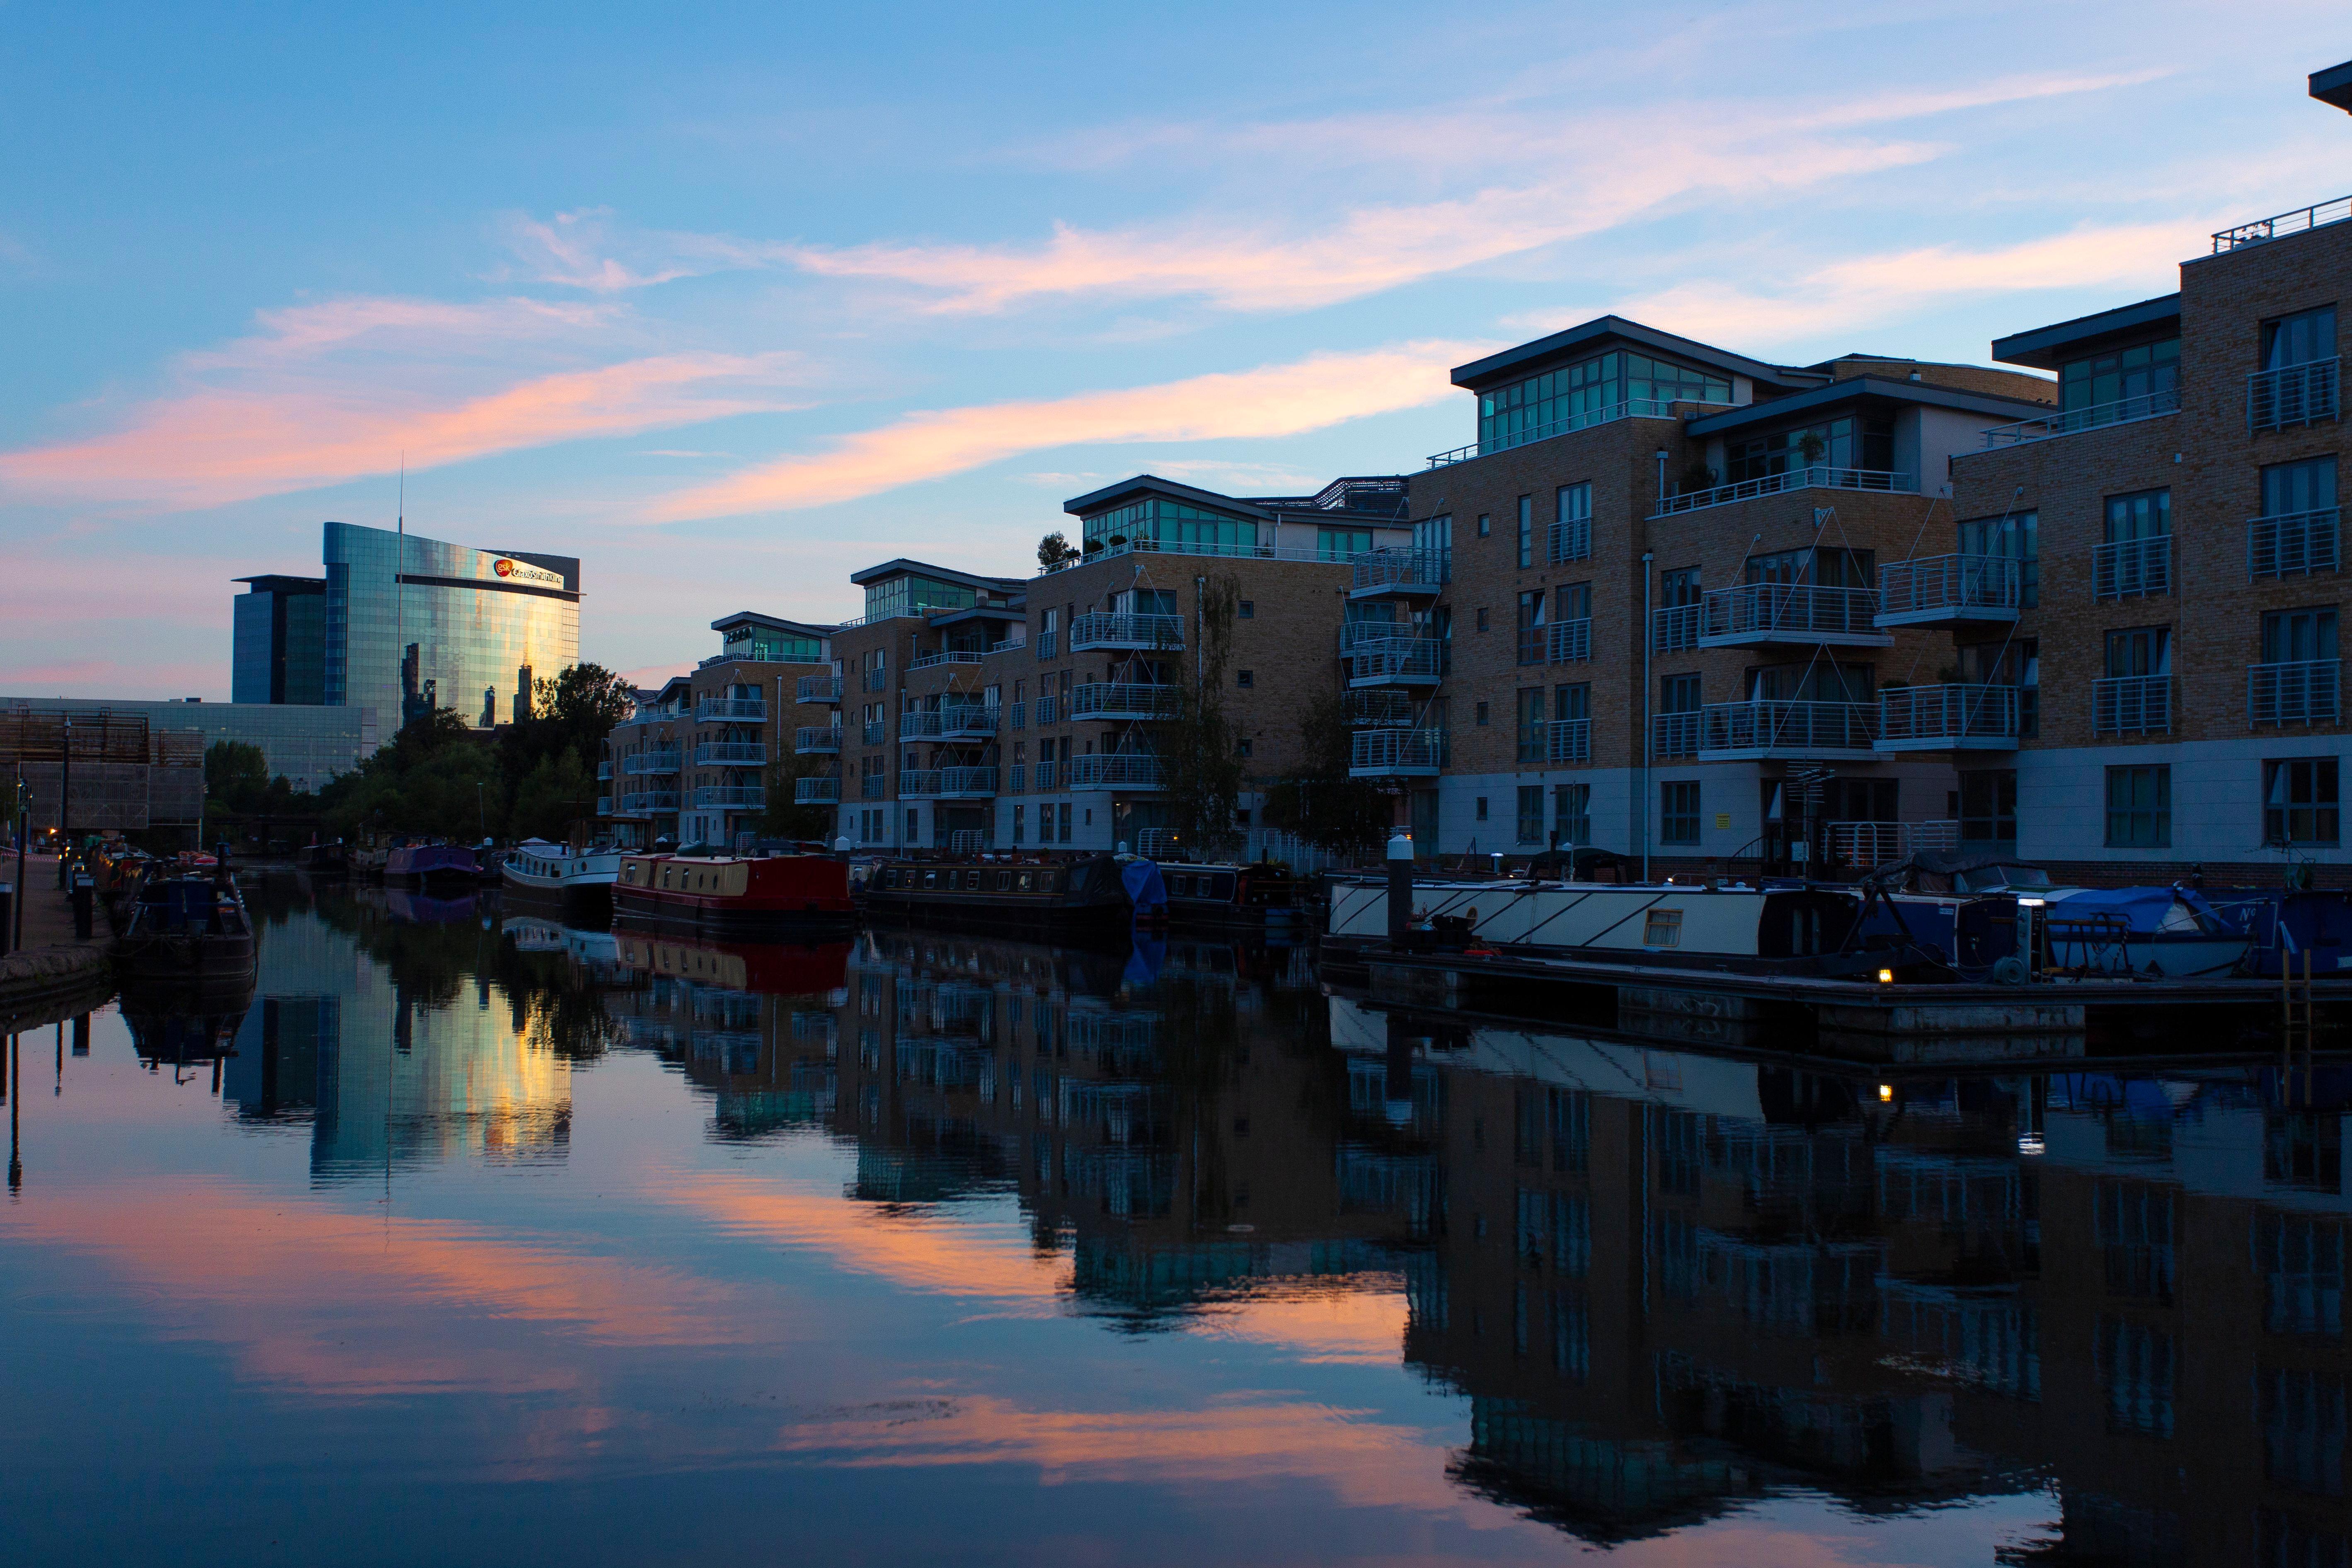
x,y
326,862
1005,894
186,928
553,874
425,864
1253,894
1968,905
735,894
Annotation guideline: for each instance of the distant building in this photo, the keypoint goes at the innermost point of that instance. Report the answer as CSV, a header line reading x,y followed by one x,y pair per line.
x,y
280,641
307,745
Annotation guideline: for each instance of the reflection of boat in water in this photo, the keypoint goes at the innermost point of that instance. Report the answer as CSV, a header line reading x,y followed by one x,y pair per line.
x,y
768,968
532,933
186,928
426,909
185,1025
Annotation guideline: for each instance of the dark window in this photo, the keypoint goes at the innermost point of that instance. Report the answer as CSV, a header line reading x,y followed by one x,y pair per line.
x,y
1245,748
1531,728
1481,715
2300,805
1531,822
2015,536
2139,650
1572,812
1531,626
1527,530
1248,610
2139,807
1678,587
2292,488
1482,617
1865,442
2125,384
1678,694
1678,812
2143,514
1485,527
1989,806
1571,529
1482,808
1246,678
2299,339
2299,636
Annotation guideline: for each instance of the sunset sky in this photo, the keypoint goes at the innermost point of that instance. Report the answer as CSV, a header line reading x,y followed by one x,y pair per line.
x,y
731,300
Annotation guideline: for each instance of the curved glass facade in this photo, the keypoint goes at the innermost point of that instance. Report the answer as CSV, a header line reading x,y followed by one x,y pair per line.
x,y
443,625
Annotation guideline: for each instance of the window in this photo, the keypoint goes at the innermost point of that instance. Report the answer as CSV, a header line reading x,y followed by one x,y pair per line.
x,y
1248,610
1481,720
1571,527
1678,694
1989,806
2139,807
2299,636
2299,528
1531,822
1607,386
1245,747
2136,557
2135,1366
1065,824
1571,813
1678,810
1482,617
2301,1264
2122,384
2143,514
1865,442
1531,626
2300,805
2140,651
1527,530
2299,339
2302,1430
1662,928
1482,808
1570,738
1341,544
1678,587
1484,527
1019,812
914,826
1246,678
1530,709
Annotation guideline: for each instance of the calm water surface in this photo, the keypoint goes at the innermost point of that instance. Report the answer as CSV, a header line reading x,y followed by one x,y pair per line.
x,y
488,1241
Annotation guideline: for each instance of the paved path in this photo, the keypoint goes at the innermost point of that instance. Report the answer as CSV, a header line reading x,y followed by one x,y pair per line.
x,y
52,961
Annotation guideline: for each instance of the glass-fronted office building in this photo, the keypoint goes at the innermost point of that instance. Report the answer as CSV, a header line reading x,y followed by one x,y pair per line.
x,y
309,744
421,624
280,651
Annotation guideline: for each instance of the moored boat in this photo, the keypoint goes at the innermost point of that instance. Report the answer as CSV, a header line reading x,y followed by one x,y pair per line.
x,y
1251,893
745,894
429,863
535,866
1004,893
1968,905
186,928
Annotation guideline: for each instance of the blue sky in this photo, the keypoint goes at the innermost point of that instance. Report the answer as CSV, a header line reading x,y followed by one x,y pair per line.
x,y
733,301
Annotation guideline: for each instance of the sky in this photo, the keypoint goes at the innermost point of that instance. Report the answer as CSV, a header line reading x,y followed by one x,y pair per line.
x,y
732,300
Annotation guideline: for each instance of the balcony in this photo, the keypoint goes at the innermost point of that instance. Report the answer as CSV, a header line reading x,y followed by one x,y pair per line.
x,y
2067,421
603,806
1396,661
947,784
2132,568
1757,614
873,786
1126,632
1124,700
1571,540
2292,395
953,720
2295,543
1675,627
604,770
818,688
1568,642
649,763
650,800
1008,645
1047,711
877,680
1016,716
1674,735
1956,591
1567,740
1816,477
1044,776
1951,718
1395,753
1047,642
817,739
935,655
1116,769
1400,573
816,792
1383,706
1828,731
2316,215
748,797
2302,693
736,754
733,710
2132,705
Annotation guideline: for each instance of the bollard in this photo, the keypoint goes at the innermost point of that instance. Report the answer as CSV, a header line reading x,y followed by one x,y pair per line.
x,y
1399,887
7,914
85,901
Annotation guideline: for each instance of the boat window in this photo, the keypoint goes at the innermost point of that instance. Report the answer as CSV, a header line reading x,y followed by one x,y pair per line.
x,y
930,878
1049,881
1221,887
1003,880
1663,927
1024,881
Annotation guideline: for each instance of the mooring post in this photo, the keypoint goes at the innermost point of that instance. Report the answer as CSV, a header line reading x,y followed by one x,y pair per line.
x,y
1399,887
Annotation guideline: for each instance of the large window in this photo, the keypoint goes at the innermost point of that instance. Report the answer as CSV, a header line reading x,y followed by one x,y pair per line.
x,y
1678,587
1678,694
911,595
1527,531
1531,824
1572,812
1989,806
2299,801
2299,636
1678,812
2122,384
767,644
2143,514
1531,626
2139,650
1607,387
2014,536
1172,525
1531,723
1341,544
1824,568
2014,662
1850,441
2299,339
2139,807
1571,526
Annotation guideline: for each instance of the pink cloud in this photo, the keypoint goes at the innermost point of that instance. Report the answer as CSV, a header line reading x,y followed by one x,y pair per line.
x,y
1275,400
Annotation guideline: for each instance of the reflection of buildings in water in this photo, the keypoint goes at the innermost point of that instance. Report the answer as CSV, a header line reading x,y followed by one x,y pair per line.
x,y
1668,1281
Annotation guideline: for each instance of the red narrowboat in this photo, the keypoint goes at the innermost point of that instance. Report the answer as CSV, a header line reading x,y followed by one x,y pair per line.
x,y
735,894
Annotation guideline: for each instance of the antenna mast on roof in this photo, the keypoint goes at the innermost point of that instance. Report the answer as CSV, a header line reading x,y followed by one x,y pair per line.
x,y
400,595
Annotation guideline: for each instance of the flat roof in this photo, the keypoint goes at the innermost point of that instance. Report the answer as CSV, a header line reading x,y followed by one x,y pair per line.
x,y
2047,348
2334,86
270,582
1015,611
1577,341
805,628
1854,389
904,567
1110,496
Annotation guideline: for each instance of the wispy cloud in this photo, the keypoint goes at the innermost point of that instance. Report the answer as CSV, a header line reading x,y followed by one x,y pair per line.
x,y
330,392
1274,400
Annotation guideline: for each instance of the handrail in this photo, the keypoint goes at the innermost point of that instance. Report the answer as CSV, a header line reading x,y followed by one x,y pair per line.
x,y
730,754
818,688
1567,740
731,708
1220,552
930,657
1795,610
2066,421
2305,691
744,797
1675,626
816,792
1631,408
1380,568
1396,750
1124,700
1934,583
1816,477
2131,705
2286,544
1395,657
646,762
2294,394
1947,711
1115,770
1568,642
1779,724
2316,215
1102,630
818,738
2132,568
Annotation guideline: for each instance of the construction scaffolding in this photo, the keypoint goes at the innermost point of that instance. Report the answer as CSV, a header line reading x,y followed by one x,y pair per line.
x,y
123,774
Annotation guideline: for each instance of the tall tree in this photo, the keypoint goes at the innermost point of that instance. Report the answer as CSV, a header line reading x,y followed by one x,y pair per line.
x,y
1201,773
1316,801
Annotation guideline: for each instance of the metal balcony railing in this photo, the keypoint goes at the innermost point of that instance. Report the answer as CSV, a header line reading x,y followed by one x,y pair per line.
x,y
2065,422
733,710
1046,644
2293,394
877,680
1789,612
1674,735
1008,645
1571,540
1634,409
1383,706
816,792
948,721
1675,627
1569,739
1044,776
1568,642
1016,779
875,731
1406,661
1878,843
930,657
1126,632
2295,543
873,786
818,688
603,806
2318,215
1423,569
1784,728
1932,718
646,763
1117,770
947,784
644,801
739,753
603,770
1388,753
816,740
1816,477
2132,705
2308,692
2132,568
748,797
1116,699
1048,709
1953,587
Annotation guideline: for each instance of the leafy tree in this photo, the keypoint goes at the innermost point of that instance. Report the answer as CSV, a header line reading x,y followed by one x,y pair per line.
x,y
1053,550
558,792
785,817
1201,773
235,773
1318,801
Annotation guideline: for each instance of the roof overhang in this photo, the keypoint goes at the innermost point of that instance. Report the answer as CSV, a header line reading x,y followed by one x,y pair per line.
x,y
2334,86
2047,348
1005,612
1593,337
270,582
754,619
1860,389
904,567
1110,496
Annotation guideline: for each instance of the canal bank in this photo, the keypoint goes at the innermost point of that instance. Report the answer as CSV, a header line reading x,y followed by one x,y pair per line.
x,y
53,968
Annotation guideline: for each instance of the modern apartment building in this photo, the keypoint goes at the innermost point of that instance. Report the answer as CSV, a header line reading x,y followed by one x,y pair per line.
x,y
637,781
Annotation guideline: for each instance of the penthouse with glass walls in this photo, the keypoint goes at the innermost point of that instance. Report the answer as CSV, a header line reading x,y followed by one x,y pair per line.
x,y
1663,632
2175,528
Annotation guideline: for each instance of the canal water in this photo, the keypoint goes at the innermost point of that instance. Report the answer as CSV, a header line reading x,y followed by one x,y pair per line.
x,y
473,1238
